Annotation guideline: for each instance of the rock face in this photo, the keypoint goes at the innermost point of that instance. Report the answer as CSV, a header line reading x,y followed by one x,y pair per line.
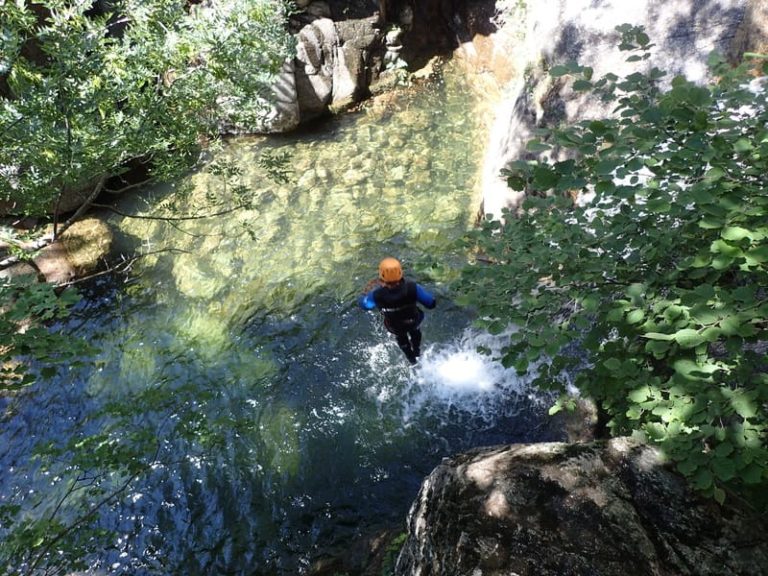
x,y
87,243
611,509
343,46
335,63
556,31
339,54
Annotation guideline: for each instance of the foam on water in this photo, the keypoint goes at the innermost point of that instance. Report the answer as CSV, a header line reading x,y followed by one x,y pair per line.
x,y
452,379
454,371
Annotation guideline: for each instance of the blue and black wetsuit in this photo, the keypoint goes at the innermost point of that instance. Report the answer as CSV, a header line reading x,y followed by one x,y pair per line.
x,y
398,304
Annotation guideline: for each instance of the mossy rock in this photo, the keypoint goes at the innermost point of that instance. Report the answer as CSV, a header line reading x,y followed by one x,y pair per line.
x,y
87,242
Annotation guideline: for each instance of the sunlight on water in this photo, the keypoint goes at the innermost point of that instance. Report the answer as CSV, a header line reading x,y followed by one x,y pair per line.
x,y
291,423
394,174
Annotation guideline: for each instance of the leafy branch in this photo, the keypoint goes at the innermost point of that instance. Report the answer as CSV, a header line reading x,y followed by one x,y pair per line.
x,y
636,269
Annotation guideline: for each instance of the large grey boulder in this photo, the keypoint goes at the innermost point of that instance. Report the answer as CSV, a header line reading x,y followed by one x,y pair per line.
x,y
339,53
316,50
335,63
556,31
555,509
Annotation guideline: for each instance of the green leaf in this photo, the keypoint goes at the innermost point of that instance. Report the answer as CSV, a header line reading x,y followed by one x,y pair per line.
x,y
730,325
710,222
658,336
537,146
747,330
753,474
640,394
657,348
719,495
544,177
687,467
724,468
605,187
659,205
558,70
723,449
607,166
635,316
634,412
688,338
758,254
582,85
722,261
672,312
714,174
744,405
743,145
613,364
690,370
735,233
704,291
703,478
722,247
590,302
711,334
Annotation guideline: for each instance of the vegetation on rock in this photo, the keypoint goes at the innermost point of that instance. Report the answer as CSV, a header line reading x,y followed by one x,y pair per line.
x,y
636,271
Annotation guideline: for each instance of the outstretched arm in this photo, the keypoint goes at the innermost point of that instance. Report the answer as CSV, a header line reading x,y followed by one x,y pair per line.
x,y
366,301
425,298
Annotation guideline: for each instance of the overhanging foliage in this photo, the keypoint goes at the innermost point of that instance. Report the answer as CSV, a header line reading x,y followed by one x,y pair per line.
x,y
85,94
649,291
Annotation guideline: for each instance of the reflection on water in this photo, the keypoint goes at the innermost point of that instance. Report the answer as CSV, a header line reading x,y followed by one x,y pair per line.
x,y
286,424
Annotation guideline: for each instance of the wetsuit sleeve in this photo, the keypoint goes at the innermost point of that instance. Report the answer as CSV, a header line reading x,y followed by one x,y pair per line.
x,y
367,302
425,298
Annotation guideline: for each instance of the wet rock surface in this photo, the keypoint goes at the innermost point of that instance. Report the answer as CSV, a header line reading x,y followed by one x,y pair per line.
x,y
555,509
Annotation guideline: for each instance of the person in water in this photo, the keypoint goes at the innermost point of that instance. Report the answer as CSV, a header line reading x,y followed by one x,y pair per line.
x,y
398,298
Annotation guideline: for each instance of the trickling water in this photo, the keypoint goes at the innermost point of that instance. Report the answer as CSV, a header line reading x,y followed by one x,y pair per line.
x,y
286,423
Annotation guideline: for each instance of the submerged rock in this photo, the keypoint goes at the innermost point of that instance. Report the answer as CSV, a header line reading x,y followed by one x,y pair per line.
x,y
87,243
555,509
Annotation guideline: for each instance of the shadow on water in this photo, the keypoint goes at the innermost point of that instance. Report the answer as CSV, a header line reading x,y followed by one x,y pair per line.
x,y
286,422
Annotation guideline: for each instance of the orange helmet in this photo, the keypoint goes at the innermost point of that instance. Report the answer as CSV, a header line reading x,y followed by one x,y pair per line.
x,y
390,270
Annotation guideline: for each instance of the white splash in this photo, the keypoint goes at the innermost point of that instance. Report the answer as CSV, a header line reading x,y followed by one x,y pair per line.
x,y
452,380
458,371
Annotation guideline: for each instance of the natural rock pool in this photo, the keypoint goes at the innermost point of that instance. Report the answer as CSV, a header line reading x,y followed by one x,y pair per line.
x,y
282,422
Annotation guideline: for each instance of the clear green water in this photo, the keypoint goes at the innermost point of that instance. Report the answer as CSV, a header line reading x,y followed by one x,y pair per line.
x,y
290,427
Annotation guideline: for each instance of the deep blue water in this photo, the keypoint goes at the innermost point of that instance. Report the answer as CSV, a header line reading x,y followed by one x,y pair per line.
x,y
281,423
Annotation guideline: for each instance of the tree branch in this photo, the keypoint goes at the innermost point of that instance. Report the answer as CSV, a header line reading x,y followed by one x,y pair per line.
x,y
83,207
121,266
128,187
49,239
94,509
171,218
63,186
